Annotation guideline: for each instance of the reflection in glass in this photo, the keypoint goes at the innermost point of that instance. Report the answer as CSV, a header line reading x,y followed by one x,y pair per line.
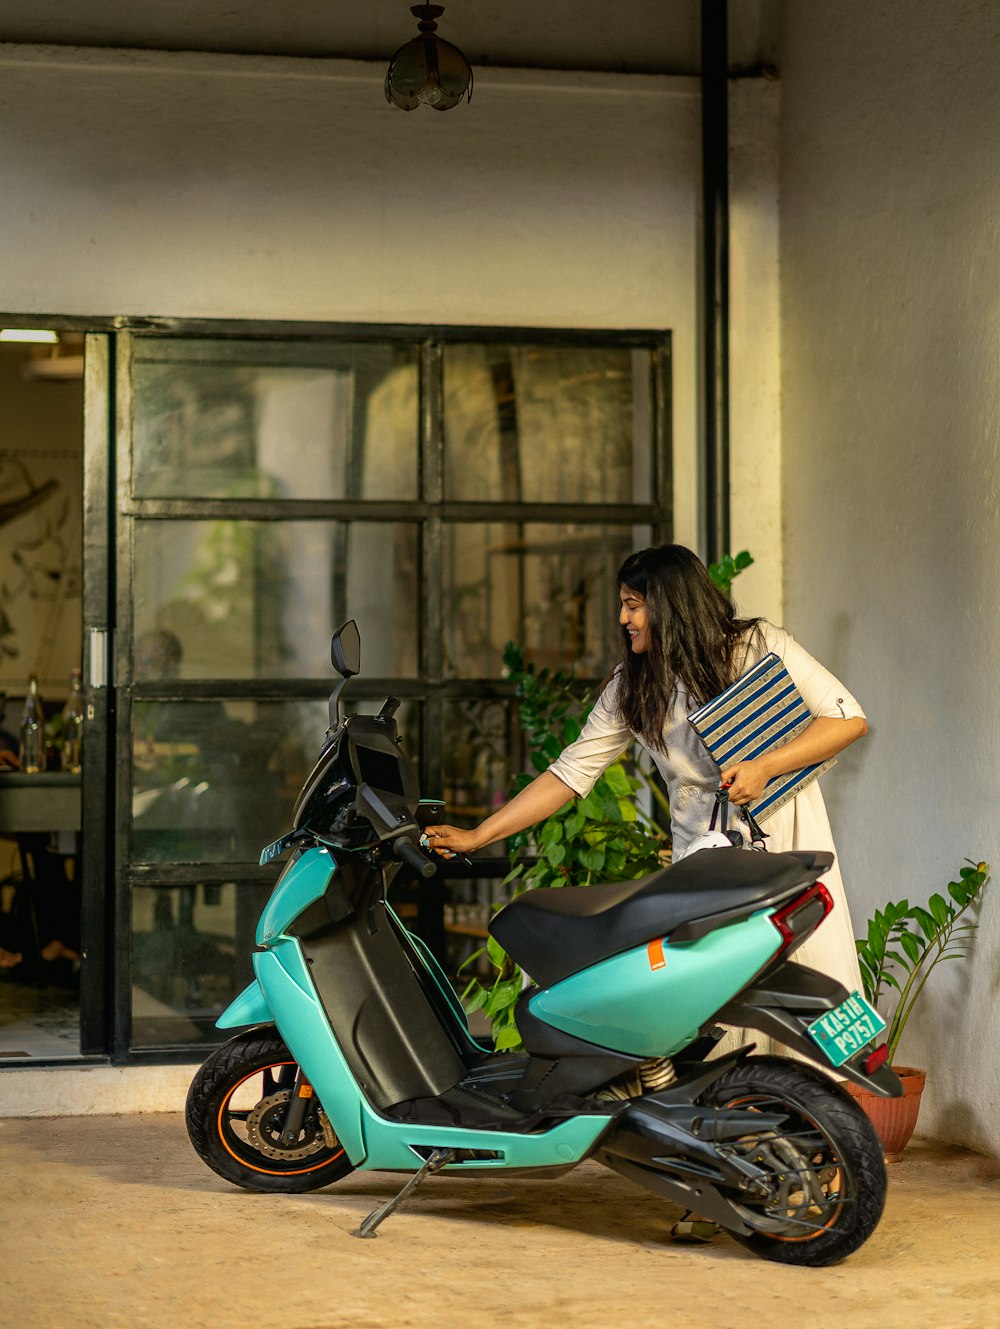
x,y
550,589
216,781
547,424
191,948
217,419
480,755
258,599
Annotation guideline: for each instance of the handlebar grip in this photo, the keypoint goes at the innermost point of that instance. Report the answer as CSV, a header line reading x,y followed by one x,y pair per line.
x,y
405,849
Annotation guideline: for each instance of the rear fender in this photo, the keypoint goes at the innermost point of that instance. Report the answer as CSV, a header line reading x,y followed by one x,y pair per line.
x,y
784,1003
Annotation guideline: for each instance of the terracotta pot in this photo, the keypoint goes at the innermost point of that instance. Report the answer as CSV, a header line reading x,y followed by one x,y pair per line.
x,y
893,1118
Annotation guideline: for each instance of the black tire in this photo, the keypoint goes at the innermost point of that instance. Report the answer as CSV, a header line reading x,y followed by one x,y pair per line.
x,y
236,1109
826,1161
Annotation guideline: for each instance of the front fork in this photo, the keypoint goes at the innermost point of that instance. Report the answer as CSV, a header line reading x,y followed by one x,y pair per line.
x,y
301,1100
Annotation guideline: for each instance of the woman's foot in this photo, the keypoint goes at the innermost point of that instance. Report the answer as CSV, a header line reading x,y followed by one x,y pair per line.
x,y
694,1229
10,959
57,950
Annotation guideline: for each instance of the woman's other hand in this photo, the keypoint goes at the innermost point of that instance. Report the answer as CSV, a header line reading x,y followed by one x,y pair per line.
x,y
745,781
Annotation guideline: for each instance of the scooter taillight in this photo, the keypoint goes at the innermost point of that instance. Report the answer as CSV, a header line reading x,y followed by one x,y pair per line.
x,y
801,915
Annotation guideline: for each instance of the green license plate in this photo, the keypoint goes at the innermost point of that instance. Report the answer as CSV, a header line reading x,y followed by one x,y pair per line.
x,y
846,1029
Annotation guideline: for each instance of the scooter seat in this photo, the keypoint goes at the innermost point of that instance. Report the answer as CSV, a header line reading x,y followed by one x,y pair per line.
x,y
554,933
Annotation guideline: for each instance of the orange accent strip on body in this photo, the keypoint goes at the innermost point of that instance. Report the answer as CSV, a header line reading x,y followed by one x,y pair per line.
x,y
654,953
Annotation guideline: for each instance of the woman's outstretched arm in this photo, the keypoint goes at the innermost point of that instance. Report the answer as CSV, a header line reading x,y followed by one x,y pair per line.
x,y
546,794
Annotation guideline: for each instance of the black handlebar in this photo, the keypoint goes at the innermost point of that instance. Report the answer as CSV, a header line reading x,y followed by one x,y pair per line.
x,y
404,848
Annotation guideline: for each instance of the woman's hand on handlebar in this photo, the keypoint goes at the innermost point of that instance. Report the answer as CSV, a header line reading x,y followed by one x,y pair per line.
x,y
450,840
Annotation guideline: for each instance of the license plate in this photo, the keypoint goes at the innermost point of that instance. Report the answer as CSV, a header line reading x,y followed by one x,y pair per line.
x,y
846,1029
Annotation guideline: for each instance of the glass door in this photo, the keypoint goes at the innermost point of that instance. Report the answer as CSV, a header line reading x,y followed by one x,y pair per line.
x,y
264,491
451,489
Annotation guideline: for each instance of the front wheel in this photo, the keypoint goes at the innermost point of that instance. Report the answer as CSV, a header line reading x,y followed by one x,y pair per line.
x,y
237,1109
824,1165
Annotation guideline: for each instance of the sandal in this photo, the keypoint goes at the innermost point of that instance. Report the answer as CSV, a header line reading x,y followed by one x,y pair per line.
x,y
693,1229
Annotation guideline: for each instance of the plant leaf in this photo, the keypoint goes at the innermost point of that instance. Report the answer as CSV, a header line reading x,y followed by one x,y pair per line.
x,y
913,946
556,854
618,782
940,909
507,1038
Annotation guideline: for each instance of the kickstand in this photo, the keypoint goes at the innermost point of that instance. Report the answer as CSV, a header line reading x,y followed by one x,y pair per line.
x,y
439,1158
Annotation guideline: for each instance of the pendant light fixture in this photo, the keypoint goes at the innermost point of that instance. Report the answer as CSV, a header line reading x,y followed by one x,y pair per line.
x,y
428,69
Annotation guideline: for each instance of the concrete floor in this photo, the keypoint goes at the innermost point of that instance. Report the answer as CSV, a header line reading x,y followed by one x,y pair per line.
x,y
114,1221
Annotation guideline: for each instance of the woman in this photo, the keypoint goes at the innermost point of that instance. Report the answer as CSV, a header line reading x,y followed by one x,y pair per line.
x,y
682,645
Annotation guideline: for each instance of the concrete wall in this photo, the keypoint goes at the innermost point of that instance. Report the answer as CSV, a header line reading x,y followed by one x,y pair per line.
x,y
890,280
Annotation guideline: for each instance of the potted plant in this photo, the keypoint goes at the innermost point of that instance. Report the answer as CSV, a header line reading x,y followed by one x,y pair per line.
x,y
903,945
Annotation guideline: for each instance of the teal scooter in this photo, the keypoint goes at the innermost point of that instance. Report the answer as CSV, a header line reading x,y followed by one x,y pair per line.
x,y
358,1055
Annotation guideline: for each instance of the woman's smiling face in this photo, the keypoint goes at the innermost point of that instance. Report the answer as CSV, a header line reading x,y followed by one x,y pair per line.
x,y
634,619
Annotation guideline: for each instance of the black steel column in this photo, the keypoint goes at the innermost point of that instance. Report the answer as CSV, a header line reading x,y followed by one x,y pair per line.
x,y
715,270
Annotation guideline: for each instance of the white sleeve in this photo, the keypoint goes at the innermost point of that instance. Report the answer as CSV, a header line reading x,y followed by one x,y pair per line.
x,y
602,741
824,694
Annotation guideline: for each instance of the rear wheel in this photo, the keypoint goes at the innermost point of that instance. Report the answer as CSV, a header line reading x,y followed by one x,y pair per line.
x,y
824,1166
237,1109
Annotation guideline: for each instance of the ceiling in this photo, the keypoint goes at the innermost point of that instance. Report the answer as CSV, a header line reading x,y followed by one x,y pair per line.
x,y
644,36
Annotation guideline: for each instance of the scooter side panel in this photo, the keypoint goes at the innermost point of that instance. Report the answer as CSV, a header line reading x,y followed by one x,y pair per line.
x,y
651,1001
303,881
250,1007
391,1145
372,1141
284,976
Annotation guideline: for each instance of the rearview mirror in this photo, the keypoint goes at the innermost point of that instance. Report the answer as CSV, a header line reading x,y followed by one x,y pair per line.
x,y
345,649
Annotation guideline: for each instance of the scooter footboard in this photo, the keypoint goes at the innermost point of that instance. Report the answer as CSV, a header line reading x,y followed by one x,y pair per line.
x,y
783,1005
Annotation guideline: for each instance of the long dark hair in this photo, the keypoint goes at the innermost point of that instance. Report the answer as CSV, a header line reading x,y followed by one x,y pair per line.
x,y
696,642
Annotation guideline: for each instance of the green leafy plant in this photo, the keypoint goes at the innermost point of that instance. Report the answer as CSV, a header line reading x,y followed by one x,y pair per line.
x,y
728,567
904,943
603,837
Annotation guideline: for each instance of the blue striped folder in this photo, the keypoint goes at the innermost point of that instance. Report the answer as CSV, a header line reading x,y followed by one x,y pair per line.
x,y
760,711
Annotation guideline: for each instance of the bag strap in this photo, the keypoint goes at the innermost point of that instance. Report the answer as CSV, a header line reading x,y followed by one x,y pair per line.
x,y
720,814
757,836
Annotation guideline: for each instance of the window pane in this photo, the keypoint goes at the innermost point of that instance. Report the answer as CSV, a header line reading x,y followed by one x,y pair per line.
x,y
249,599
191,949
550,589
547,424
480,755
216,781
218,419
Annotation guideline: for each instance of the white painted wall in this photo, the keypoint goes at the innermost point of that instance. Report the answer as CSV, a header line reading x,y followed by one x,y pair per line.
x,y
890,277
251,187
754,345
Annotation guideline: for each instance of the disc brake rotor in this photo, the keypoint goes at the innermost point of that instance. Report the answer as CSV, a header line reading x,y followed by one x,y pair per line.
x,y
803,1189
265,1124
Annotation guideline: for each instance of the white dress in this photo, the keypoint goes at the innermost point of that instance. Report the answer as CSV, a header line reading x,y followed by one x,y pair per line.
x,y
692,778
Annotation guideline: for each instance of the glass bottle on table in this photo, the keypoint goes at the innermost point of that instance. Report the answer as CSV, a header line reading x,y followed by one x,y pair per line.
x,y
72,726
31,752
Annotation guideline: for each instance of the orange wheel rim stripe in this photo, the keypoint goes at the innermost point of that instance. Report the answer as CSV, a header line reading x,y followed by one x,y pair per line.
x,y
268,1172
